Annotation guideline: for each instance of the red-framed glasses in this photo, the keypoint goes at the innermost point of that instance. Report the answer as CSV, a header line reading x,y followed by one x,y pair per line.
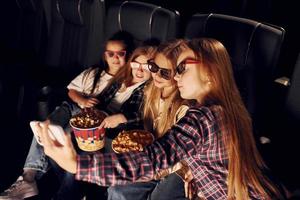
x,y
111,54
181,67
136,65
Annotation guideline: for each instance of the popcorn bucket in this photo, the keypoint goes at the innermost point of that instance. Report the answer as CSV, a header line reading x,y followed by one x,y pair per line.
x,y
89,139
86,129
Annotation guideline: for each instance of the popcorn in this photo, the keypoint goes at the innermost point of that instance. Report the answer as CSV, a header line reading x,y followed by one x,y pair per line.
x,y
88,118
134,140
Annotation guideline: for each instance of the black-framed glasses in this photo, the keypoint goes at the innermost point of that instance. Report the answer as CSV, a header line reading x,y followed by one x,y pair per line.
x,y
181,67
164,73
111,54
136,65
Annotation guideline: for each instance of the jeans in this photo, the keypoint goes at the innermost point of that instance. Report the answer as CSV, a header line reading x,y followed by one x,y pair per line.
x,y
169,188
70,189
36,158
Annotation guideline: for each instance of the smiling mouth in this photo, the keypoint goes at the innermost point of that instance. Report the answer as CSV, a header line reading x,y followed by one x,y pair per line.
x,y
139,76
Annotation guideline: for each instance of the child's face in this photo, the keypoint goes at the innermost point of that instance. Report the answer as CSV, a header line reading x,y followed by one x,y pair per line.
x,y
115,54
192,82
159,81
140,71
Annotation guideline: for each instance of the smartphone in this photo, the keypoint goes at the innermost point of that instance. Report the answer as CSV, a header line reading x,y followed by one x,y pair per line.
x,y
55,132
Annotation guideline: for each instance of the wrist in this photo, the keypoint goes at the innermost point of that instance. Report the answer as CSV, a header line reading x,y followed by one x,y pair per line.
x,y
122,118
80,101
73,165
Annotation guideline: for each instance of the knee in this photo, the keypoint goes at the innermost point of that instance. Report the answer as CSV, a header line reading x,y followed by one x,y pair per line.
x,y
116,193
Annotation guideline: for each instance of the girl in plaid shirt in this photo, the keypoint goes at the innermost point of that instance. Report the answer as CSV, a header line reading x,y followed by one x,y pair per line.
x,y
214,138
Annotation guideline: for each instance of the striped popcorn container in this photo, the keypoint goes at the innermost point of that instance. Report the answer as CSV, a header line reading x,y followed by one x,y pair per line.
x,y
89,139
86,129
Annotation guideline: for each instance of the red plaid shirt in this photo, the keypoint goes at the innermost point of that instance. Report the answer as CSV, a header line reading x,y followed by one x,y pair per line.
x,y
197,138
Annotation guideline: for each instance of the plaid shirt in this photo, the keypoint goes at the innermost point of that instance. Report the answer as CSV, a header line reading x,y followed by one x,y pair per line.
x,y
130,108
196,138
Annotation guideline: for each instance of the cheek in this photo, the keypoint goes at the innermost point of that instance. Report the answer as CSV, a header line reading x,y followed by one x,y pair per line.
x,y
147,75
108,60
133,72
122,61
190,85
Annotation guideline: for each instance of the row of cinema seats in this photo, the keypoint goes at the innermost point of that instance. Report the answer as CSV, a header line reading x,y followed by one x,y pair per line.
x,y
70,34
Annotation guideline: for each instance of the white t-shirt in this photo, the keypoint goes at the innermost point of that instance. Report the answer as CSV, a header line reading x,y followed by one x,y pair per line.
x,y
84,82
121,96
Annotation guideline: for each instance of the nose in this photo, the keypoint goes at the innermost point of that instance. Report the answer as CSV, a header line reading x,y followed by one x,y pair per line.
x,y
140,68
177,77
115,55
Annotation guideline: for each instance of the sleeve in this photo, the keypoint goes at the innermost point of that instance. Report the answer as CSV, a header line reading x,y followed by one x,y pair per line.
x,y
179,142
78,83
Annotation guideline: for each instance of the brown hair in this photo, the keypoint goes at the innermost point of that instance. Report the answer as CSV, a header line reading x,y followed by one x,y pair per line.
x,y
245,163
170,50
124,75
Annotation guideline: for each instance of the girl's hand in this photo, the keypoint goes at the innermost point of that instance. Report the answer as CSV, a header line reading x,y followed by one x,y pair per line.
x,y
113,121
88,102
63,155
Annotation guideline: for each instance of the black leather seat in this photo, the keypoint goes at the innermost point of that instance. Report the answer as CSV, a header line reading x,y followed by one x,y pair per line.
x,y
285,129
143,20
75,39
254,48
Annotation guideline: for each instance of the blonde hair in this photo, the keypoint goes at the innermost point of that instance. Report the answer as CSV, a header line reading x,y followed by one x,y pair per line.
x,y
170,50
245,163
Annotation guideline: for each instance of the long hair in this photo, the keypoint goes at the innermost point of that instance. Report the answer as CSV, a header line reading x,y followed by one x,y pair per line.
x,y
170,50
245,163
124,75
126,40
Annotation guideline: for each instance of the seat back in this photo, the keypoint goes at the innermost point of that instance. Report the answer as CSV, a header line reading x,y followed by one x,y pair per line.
x,y
143,20
284,129
290,130
292,105
82,34
254,48
75,37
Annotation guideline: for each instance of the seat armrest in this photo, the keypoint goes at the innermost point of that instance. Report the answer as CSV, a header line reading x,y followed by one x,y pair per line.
x,y
283,81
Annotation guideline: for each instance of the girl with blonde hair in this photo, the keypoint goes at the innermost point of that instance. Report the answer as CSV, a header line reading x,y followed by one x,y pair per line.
x,y
163,107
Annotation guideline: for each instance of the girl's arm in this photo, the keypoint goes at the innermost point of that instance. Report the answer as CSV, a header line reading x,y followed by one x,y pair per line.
x,y
180,142
81,100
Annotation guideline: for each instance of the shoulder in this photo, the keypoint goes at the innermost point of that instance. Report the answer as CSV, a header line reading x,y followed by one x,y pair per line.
x,y
209,112
140,88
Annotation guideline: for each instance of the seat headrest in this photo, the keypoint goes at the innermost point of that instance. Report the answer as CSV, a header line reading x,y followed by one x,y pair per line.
x,y
142,20
71,10
243,38
27,5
